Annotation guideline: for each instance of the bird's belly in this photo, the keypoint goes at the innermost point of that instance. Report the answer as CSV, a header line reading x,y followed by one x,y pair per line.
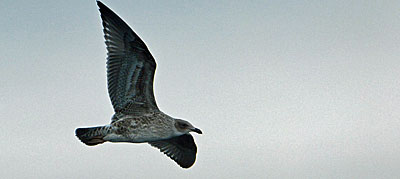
x,y
137,136
137,130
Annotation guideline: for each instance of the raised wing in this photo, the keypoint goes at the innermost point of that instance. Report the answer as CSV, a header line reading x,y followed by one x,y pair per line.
x,y
130,66
181,149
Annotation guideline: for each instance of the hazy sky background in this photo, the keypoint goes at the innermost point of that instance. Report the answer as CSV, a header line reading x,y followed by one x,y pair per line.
x,y
281,89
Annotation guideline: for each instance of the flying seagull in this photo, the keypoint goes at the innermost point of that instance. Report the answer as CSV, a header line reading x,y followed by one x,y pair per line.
x,y
137,119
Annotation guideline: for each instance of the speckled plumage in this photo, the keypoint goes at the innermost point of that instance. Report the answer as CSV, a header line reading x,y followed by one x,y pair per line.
x,y
148,127
137,119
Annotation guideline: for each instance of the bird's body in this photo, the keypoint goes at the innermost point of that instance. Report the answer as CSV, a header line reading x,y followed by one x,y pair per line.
x,y
149,127
137,118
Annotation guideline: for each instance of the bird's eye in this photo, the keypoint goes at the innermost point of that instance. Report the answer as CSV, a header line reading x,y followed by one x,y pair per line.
x,y
184,125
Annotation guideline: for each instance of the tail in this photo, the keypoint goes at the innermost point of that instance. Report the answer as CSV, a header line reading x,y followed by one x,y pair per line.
x,y
93,135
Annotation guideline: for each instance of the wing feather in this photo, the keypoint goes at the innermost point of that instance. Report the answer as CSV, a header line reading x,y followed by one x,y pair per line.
x,y
181,149
130,66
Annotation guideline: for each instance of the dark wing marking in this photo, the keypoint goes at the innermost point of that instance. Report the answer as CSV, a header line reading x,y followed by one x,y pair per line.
x,y
130,66
181,149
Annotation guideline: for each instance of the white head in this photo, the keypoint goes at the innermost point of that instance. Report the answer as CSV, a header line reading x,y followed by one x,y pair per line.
x,y
184,127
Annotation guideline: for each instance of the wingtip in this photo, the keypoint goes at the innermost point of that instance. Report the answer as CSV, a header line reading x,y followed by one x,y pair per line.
x,y
186,166
104,10
100,4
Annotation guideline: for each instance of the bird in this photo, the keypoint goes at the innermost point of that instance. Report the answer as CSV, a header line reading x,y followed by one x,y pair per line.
x,y
136,118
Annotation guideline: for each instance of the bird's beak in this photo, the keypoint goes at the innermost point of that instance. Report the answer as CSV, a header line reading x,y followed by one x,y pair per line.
x,y
197,130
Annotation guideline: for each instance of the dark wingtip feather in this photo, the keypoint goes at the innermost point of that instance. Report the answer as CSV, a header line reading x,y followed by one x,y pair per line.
x,y
104,9
100,4
181,149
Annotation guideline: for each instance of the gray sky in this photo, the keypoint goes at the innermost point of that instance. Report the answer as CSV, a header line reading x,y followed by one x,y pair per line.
x,y
281,89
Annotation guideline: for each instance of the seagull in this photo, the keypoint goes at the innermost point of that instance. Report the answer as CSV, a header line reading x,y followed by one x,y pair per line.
x,y
137,119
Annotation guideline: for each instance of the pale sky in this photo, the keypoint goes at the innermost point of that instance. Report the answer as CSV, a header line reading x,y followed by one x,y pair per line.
x,y
280,89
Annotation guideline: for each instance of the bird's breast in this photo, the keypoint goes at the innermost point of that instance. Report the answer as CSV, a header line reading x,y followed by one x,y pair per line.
x,y
141,130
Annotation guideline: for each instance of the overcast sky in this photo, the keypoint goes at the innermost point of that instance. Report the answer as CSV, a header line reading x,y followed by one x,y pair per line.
x,y
280,89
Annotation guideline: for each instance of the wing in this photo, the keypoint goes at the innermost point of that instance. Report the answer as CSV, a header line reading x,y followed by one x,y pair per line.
x,y
181,149
130,66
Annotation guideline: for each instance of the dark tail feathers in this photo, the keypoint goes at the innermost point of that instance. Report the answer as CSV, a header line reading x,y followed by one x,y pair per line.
x,y
91,136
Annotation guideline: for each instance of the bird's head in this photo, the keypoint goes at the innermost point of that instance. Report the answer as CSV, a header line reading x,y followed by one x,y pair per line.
x,y
184,127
